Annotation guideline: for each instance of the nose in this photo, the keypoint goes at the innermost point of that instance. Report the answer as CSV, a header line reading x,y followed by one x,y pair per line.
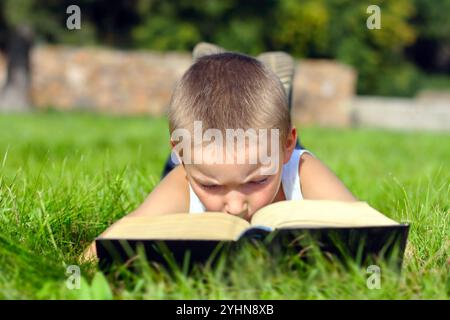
x,y
237,207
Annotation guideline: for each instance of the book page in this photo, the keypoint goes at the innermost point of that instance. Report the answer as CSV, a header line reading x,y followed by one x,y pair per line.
x,y
179,226
320,213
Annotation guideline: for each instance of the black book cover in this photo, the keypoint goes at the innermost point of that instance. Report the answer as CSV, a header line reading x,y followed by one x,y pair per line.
x,y
357,243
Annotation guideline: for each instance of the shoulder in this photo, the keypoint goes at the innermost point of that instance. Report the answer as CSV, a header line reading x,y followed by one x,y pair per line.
x,y
319,182
171,195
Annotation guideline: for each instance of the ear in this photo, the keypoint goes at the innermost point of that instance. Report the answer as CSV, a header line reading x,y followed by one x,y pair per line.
x,y
289,145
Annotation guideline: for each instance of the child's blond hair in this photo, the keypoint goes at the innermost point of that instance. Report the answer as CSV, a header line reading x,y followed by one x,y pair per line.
x,y
229,91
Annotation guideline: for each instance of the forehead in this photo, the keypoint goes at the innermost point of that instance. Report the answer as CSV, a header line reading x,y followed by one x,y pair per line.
x,y
231,171
223,173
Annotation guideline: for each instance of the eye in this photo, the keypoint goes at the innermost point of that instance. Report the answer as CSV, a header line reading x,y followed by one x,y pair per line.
x,y
209,186
257,182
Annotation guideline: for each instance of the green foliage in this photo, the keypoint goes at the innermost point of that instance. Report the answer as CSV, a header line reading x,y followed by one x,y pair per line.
x,y
404,80
18,11
333,29
180,24
435,82
65,177
99,289
161,33
432,19
301,27
337,29
414,34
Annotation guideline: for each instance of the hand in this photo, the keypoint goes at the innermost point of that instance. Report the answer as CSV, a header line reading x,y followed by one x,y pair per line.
x,y
89,255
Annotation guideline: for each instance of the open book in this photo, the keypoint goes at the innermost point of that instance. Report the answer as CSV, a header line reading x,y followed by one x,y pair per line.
x,y
354,222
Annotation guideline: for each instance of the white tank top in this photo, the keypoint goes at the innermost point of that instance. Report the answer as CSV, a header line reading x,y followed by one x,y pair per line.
x,y
290,181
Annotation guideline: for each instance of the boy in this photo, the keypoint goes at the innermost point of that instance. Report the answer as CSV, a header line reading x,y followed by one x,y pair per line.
x,y
231,91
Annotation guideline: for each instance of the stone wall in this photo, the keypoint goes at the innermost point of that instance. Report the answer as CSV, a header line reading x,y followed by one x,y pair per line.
x,y
142,81
105,80
323,92
429,111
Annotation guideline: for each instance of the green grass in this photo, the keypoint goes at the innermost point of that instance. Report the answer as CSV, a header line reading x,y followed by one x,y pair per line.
x,y
65,177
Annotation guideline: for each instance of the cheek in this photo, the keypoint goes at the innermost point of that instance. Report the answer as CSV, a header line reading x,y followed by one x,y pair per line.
x,y
264,196
211,200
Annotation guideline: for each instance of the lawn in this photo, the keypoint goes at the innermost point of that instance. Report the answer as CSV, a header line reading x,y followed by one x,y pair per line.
x,y
65,177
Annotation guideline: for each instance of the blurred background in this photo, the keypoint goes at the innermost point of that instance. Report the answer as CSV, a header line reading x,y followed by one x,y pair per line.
x,y
125,56
84,137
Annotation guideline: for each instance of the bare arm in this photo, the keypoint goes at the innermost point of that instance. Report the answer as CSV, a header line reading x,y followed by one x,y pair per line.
x,y
171,195
320,183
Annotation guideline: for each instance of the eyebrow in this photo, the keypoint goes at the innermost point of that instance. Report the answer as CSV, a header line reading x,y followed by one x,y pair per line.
x,y
253,175
204,179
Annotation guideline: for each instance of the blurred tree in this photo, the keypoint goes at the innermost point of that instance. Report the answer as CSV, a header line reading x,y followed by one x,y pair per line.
x,y
337,29
334,29
15,93
180,24
301,27
432,49
22,21
25,22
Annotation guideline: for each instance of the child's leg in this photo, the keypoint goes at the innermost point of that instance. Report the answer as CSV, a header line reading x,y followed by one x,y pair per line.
x,y
283,66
